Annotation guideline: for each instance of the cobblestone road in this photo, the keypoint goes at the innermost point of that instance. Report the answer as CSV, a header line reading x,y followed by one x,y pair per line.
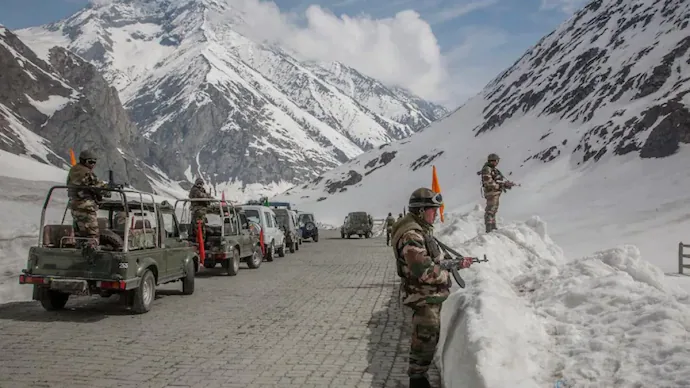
x,y
325,316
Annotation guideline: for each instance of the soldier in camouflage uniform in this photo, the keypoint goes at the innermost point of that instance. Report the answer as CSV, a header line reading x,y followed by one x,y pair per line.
x,y
83,203
389,227
493,184
399,217
425,278
199,208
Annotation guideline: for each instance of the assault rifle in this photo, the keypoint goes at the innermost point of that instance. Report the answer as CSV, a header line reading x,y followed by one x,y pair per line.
x,y
454,271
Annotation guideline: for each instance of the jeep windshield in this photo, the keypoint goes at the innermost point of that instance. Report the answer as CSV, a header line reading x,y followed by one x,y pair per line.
x,y
282,217
304,218
253,215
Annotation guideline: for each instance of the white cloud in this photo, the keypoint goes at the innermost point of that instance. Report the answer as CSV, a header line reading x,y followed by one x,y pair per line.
x,y
565,6
399,50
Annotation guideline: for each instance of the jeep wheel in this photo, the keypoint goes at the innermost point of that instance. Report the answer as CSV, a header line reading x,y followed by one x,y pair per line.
x,y
232,265
145,293
52,300
255,261
270,252
281,250
188,280
368,235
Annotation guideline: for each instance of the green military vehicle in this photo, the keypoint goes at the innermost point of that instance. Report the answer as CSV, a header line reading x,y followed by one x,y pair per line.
x,y
359,223
228,239
139,247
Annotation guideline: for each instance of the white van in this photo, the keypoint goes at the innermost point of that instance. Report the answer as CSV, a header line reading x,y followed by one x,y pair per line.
x,y
274,238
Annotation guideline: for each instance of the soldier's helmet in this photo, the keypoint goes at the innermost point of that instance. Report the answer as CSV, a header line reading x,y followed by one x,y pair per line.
x,y
399,214
493,157
390,214
424,197
87,155
199,181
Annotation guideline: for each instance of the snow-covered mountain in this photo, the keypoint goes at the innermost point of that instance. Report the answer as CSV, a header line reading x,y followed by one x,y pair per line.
x,y
226,106
48,107
595,115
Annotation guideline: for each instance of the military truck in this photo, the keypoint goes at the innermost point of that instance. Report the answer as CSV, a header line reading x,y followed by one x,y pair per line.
x,y
139,247
359,223
228,239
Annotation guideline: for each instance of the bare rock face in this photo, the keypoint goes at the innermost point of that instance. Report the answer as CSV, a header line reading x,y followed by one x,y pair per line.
x,y
46,109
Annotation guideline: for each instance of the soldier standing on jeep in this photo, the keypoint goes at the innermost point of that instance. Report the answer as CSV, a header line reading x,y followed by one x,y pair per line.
x,y
83,203
199,208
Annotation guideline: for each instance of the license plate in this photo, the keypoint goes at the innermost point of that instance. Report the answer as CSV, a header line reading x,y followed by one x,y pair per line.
x,y
69,286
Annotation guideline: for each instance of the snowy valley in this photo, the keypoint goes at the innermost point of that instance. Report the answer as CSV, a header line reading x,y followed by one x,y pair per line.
x,y
249,117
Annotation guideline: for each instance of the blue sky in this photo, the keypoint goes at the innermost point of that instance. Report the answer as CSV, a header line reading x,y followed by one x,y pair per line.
x,y
476,39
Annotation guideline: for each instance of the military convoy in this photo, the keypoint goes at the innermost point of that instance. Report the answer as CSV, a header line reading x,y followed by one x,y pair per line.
x,y
144,243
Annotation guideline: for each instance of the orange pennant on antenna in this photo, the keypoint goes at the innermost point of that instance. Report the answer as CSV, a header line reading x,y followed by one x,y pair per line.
x,y
72,159
436,188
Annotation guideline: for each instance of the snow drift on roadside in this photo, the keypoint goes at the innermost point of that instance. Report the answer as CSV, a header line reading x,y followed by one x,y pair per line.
x,y
529,317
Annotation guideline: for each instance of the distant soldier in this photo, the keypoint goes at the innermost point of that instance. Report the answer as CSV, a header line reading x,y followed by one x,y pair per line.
x,y
399,217
493,184
199,208
389,227
83,202
425,278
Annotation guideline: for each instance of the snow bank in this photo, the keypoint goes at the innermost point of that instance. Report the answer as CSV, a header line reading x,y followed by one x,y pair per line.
x,y
530,317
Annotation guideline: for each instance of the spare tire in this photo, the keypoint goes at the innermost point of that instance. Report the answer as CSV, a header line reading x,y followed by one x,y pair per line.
x,y
110,238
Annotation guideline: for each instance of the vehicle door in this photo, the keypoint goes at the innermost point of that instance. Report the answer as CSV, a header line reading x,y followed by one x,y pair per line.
x,y
245,234
175,248
144,240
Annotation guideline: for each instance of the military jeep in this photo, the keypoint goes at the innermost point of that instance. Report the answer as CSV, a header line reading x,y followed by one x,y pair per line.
x,y
359,223
227,236
139,247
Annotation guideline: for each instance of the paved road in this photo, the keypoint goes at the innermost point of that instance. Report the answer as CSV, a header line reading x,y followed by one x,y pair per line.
x,y
326,316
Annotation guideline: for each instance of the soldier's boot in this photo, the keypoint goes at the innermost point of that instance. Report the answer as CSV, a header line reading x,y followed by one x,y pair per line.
x,y
490,226
419,382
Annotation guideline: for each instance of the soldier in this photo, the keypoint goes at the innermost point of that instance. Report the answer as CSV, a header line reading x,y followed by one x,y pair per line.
x,y
83,203
425,278
389,227
199,208
493,184
399,217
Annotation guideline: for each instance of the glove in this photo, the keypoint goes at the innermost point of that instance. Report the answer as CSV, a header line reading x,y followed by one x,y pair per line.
x,y
465,262
509,185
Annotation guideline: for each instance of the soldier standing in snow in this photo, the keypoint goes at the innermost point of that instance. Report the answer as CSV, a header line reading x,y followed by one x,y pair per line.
x,y
493,184
425,278
83,202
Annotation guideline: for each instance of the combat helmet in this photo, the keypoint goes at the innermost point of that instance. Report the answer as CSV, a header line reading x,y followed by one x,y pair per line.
x,y
87,155
493,157
199,182
424,197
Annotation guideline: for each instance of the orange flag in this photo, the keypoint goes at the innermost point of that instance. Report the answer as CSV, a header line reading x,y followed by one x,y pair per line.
x,y
72,159
436,188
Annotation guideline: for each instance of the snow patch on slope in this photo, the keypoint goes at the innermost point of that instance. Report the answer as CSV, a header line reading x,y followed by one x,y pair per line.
x,y
530,317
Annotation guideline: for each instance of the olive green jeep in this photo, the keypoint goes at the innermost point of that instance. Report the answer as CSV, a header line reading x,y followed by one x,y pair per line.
x,y
139,248
227,237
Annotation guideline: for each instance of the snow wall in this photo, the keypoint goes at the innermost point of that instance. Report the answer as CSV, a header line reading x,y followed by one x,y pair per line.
x,y
531,318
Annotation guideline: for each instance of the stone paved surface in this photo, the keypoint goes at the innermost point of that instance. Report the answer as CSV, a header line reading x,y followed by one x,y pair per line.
x,y
325,316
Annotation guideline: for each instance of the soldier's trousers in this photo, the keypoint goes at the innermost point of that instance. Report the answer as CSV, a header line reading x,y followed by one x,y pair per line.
x,y
85,225
388,235
426,328
490,211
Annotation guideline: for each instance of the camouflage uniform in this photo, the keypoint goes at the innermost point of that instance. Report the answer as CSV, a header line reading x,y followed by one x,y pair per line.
x,y
425,284
83,203
199,209
493,184
389,227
